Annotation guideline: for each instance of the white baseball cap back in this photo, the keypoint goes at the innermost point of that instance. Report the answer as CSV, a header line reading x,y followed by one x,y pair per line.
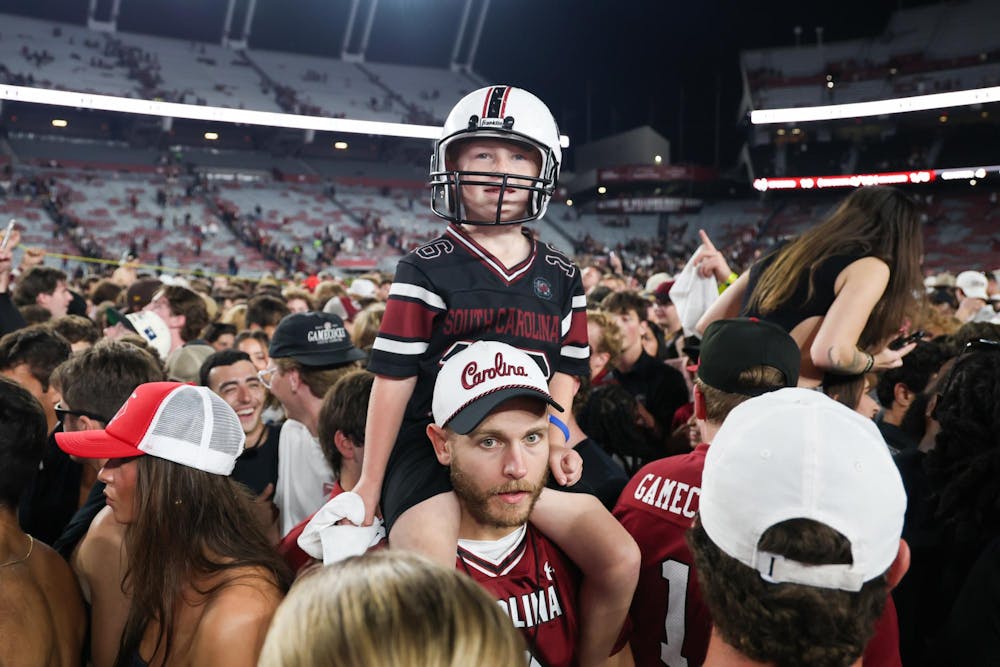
x,y
973,284
473,382
798,454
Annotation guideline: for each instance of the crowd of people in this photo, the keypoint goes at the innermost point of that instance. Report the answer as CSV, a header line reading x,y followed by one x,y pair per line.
x,y
499,456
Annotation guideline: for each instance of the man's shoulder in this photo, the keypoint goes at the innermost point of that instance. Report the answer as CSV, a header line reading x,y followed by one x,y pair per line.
x,y
666,487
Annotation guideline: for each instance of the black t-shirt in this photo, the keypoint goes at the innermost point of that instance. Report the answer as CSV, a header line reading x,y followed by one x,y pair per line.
x,y
80,523
800,306
53,495
258,467
974,626
660,388
601,473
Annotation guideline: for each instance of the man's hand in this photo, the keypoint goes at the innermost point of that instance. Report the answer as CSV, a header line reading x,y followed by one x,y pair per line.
x,y
31,258
6,264
125,275
566,465
710,261
15,238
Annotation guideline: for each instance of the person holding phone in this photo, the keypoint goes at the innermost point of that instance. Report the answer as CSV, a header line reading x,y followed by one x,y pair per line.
x,y
10,316
842,289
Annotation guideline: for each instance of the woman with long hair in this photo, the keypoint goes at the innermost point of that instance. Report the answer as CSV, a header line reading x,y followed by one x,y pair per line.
x,y
203,579
842,289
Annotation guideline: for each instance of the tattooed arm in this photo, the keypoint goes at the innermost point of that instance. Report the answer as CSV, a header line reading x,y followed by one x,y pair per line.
x,y
835,348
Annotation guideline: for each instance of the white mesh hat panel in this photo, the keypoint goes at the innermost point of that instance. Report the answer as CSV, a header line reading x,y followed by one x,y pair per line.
x,y
194,427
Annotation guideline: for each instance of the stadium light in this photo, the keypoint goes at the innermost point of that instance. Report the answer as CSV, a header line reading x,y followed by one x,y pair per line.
x,y
958,98
65,98
340,145
569,202
657,159
59,122
601,190
212,136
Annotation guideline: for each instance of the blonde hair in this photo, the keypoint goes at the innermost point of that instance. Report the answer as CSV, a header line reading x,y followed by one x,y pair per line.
x,y
610,340
390,608
236,315
366,326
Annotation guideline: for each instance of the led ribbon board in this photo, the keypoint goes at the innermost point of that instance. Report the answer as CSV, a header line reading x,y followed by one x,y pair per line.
x,y
64,98
956,98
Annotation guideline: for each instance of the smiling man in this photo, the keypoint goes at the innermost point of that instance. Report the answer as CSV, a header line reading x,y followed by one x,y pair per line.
x,y
491,429
232,375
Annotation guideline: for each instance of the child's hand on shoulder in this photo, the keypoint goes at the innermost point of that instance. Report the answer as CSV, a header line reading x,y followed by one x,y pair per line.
x,y
566,465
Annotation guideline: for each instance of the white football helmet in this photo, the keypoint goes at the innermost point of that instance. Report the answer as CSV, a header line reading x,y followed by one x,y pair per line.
x,y
500,112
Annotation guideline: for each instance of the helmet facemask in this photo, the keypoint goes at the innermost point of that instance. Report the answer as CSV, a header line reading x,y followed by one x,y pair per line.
x,y
446,184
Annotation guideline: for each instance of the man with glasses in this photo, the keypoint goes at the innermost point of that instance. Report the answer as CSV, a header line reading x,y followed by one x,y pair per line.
x,y
95,384
29,356
309,353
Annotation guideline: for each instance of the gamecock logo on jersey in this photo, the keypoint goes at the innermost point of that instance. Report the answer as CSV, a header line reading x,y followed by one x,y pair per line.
x,y
543,289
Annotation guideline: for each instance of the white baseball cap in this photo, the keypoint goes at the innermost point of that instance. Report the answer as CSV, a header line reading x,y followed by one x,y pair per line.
x,y
973,283
473,382
148,325
362,288
798,454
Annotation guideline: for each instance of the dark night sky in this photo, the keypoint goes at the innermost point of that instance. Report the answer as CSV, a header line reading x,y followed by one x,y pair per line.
x,y
635,57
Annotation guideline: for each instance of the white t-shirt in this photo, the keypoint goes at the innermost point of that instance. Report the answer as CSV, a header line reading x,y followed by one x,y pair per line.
x,y
304,477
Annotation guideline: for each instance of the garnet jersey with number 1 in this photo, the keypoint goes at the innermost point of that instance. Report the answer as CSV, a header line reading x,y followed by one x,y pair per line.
x,y
670,623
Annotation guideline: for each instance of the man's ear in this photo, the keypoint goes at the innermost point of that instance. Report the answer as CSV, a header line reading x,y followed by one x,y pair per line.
x,y
344,445
90,424
294,379
902,395
605,357
899,566
439,440
699,405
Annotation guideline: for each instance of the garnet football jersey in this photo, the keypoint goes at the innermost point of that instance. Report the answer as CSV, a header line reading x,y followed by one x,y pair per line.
x,y
670,623
451,292
536,585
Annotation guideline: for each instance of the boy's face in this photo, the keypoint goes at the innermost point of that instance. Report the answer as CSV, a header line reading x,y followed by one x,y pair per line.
x,y
495,156
630,325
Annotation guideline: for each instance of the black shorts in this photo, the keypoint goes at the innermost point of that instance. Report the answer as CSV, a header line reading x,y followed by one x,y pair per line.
x,y
412,474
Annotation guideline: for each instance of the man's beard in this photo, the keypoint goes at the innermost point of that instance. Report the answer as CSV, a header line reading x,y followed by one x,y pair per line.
x,y
479,504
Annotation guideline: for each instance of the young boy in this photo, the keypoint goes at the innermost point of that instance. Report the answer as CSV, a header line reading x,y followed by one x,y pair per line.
x,y
494,168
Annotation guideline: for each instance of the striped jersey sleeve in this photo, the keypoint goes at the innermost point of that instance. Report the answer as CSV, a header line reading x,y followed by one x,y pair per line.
x,y
408,323
574,354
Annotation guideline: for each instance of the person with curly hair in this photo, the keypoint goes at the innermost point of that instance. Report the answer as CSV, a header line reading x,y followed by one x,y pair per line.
x,y
957,610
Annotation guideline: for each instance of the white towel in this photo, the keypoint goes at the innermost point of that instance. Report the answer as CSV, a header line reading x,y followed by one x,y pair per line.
x,y
323,539
692,294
